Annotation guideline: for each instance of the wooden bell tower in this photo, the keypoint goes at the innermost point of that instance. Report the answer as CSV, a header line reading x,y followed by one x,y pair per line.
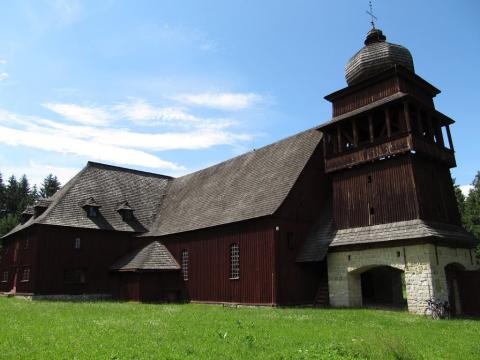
x,y
387,149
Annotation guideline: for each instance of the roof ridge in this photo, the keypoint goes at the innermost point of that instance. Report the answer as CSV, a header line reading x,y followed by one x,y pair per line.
x,y
120,168
263,148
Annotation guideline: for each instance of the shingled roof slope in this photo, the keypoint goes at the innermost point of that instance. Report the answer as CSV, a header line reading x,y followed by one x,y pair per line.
x,y
324,236
248,186
154,256
110,186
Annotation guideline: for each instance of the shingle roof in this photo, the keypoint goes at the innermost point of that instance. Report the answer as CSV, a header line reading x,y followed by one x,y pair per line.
x,y
154,256
316,242
248,186
403,230
109,187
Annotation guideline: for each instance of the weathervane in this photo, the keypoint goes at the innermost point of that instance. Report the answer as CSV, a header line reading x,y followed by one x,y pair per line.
x,y
371,14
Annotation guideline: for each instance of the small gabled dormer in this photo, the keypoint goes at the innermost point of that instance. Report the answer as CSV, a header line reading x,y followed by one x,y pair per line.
x,y
91,207
126,211
26,214
40,206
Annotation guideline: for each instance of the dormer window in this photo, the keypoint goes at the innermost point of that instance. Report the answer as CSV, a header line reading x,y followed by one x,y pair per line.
x,y
91,207
126,211
40,206
26,214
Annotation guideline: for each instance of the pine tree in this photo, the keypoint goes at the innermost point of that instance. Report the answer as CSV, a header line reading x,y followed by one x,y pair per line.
x,y
50,186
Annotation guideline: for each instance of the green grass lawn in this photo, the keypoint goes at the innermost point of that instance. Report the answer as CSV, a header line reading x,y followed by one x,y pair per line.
x,y
110,330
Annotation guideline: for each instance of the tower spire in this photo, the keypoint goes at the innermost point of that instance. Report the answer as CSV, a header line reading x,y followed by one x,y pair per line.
x,y
373,17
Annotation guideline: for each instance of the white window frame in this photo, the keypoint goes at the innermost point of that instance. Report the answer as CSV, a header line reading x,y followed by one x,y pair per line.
x,y
25,274
5,276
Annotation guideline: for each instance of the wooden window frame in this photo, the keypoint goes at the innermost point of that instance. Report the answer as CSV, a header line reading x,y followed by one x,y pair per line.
x,y
5,275
77,243
25,274
80,272
234,254
185,264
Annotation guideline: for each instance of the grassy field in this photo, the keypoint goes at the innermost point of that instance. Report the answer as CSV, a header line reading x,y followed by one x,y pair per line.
x,y
109,330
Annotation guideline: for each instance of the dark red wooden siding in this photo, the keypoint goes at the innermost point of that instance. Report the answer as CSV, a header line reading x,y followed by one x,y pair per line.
x,y
298,282
209,262
15,257
390,192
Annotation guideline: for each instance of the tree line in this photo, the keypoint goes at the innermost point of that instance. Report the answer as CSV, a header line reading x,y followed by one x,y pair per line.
x,y
469,207
17,194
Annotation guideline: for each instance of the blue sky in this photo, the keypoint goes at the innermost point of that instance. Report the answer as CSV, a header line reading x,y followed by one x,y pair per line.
x,y
175,86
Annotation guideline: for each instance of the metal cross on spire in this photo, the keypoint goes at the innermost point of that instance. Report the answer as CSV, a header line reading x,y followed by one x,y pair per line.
x,y
371,14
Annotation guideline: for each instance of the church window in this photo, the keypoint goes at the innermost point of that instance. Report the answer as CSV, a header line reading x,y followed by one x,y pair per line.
x,y
26,274
5,276
369,179
185,264
78,243
372,211
92,212
26,244
234,261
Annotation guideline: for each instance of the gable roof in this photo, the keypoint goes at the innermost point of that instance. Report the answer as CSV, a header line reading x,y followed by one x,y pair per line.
x,y
109,187
154,256
248,186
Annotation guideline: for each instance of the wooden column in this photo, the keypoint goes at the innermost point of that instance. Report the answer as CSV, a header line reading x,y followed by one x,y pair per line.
x,y
438,130
430,128
406,112
387,122
355,132
370,127
420,121
339,139
449,135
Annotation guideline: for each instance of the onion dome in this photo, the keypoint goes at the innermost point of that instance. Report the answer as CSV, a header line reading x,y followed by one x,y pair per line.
x,y
375,57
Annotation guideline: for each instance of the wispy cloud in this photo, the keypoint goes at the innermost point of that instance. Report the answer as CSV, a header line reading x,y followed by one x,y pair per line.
x,y
3,62
225,101
141,110
81,114
3,76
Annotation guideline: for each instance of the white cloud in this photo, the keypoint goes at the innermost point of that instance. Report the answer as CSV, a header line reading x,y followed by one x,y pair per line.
x,y
81,114
466,189
225,101
3,62
140,110
36,172
65,144
3,76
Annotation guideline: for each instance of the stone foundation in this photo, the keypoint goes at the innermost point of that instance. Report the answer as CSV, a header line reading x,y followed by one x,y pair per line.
x,y
423,266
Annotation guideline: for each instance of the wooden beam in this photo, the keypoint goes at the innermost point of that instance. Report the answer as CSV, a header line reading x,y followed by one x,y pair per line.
x,y
387,122
370,127
449,135
406,112
355,132
324,140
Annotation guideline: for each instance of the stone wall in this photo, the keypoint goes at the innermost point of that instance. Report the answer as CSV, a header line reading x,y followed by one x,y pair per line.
x,y
423,265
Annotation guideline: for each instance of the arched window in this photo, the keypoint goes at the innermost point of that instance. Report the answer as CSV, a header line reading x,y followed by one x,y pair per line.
x,y
185,264
234,261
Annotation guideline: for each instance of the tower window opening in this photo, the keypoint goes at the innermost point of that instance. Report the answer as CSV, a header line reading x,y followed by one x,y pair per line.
x,y
372,211
369,179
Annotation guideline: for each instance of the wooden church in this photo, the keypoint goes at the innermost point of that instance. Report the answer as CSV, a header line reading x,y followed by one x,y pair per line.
x,y
359,211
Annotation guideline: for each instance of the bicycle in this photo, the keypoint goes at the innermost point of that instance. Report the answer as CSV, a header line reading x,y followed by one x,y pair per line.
x,y
437,309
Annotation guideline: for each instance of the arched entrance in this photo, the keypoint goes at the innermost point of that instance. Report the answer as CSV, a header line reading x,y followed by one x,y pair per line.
x,y
452,272
384,286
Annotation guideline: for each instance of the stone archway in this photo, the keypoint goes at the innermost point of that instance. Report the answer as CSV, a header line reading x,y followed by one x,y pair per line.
x,y
452,272
384,286
377,286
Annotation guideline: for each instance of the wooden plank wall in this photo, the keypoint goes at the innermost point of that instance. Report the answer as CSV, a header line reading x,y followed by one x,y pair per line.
x,y
391,193
209,262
